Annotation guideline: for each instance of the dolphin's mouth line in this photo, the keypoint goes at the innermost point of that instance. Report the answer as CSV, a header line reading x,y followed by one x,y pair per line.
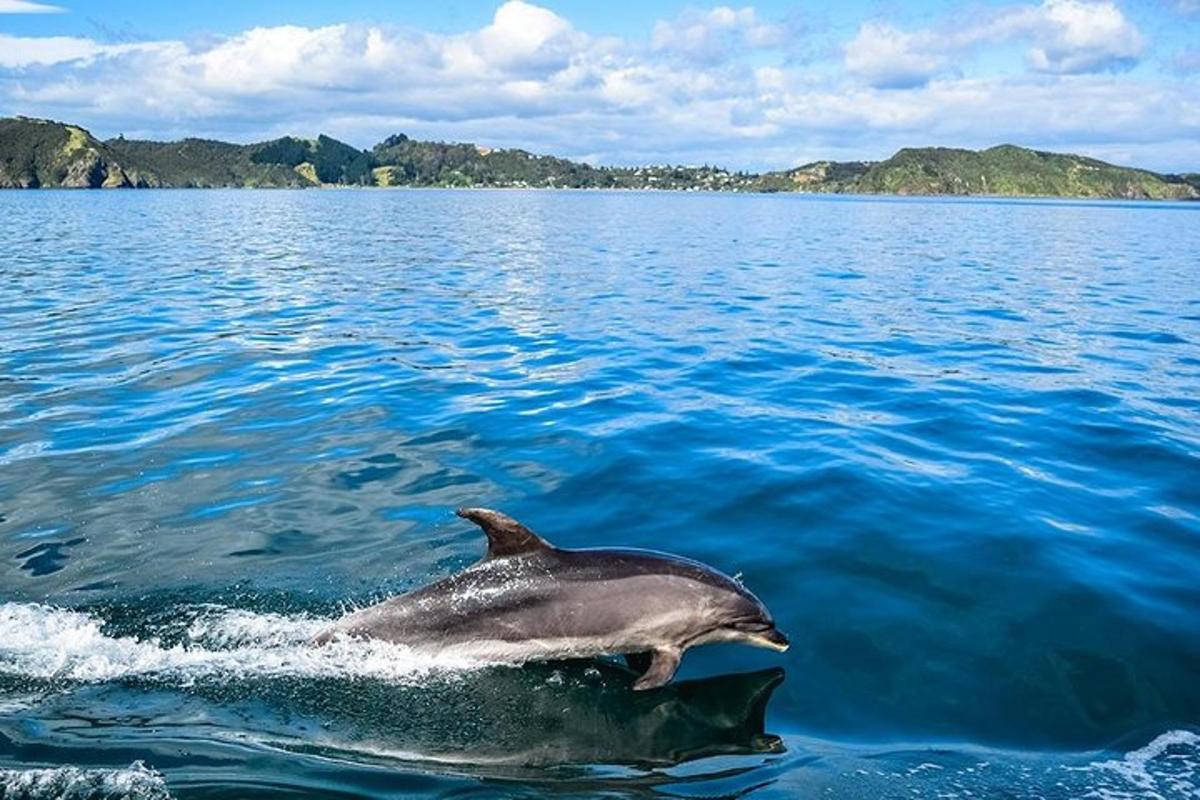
x,y
764,634
771,643
753,632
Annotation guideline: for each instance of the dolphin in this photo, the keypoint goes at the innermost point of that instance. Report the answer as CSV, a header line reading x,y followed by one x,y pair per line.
x,y
527,600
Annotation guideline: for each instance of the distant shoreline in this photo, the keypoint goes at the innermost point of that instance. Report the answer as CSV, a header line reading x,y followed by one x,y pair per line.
x,y
36,154
1048,199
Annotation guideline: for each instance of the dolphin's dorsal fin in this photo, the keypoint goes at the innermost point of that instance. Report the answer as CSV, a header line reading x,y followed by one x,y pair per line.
x,y
506,536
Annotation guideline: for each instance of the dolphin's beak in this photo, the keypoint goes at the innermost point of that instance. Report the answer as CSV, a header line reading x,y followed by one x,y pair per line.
x,y
772,639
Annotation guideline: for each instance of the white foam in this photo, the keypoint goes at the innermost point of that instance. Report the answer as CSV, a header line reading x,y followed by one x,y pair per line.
x,y
136,782
15,703
1165,768
226,628
42,641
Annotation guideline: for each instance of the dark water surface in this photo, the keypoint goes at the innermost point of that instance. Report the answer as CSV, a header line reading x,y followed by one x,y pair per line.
x,y
954,446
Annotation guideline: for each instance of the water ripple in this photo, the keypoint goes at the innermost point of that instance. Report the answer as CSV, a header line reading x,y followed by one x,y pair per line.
x,y
952,444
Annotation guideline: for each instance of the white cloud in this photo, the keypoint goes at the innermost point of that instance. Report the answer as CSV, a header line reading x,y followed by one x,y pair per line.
x,y
715,34
27,7
1074,36
16,52
975,112
1063,36
19,53
525,58
530,78
888,58
522,35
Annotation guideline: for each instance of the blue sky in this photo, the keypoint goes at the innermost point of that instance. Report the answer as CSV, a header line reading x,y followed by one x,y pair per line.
x,y
759,85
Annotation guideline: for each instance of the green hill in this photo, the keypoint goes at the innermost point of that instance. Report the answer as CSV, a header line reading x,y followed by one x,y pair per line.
x,y
819,176
203,163
1011,171
405,162
1190,178
36,153
286,162
328,160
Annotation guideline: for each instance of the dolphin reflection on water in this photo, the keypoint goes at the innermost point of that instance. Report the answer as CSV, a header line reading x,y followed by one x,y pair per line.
x,y
501,722
562,727
530,601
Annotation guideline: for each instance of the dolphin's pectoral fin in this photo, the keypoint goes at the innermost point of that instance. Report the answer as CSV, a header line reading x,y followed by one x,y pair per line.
x,y
663,663
506,536
639,662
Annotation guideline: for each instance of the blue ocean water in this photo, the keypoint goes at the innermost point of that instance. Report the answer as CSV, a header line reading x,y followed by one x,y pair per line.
x,y
954,445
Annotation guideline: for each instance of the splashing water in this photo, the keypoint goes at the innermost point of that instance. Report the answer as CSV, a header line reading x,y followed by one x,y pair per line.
x,y
1167,767
136,782
41,641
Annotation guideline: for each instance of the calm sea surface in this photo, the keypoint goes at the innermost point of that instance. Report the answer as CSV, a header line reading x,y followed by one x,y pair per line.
x,y
953,445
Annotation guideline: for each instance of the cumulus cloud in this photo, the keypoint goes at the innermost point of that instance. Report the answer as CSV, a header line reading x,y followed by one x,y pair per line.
x,y
527,61
889,58
716,34
525,36
711,86
1072,36
27,7
1062,36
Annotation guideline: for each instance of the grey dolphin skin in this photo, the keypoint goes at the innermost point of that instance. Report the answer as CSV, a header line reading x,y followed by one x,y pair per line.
x,y
530,601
